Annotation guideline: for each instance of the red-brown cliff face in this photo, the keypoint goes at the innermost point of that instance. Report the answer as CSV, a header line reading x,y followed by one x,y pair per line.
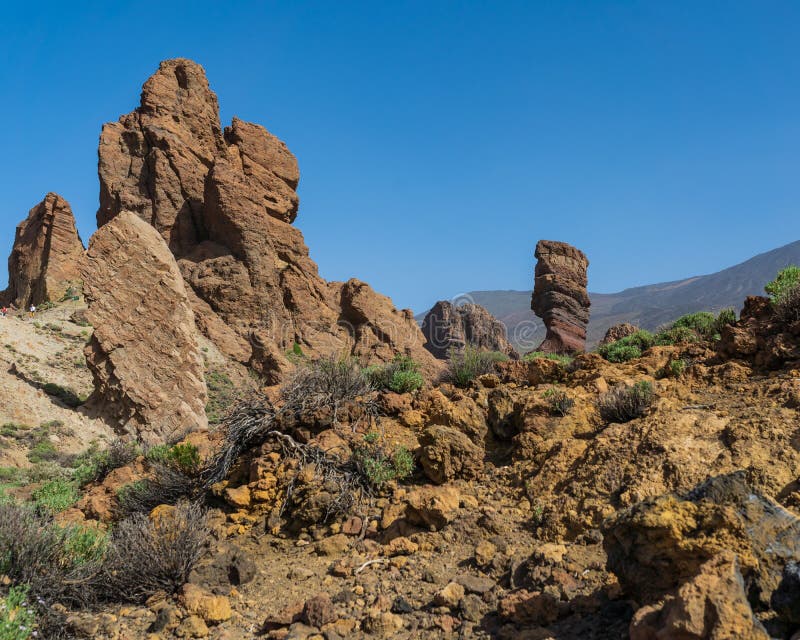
x,y
45,260
224,202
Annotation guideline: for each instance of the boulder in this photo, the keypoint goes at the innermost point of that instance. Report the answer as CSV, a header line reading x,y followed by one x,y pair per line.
x,y
712,604
447,327
446,453
224,202
45,259
144,354
559,296
619,331
658,544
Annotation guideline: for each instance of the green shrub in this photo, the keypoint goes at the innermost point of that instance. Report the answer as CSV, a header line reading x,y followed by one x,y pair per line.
x,y
221,395
702,322
65,394
17,616
469,363
378,465
786,280
42,451
627,348
94,465
725,317
559,402
84,545
184,457
56,496
624,403
674,368
677,335
562,358
401,375
787,307
295,354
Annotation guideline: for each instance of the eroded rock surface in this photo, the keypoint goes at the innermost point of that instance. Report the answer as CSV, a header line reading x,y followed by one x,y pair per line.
x,y
144,355
45,260
224,202
619,331
559,296
448,327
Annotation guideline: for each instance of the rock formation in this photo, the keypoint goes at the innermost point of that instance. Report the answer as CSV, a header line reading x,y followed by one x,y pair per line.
x,y
45,260
559,296
619,331
447,327
224,203
144,355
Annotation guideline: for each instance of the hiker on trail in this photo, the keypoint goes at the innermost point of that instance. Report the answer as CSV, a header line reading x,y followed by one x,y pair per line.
x,y
32,311
4,311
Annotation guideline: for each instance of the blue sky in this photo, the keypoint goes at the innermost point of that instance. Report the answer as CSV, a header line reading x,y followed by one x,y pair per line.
x,y
438,141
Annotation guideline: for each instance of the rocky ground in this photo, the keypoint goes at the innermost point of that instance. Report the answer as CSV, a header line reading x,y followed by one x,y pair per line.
x,y
517,522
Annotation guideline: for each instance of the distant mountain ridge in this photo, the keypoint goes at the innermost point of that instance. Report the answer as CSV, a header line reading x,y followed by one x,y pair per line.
x,y
648,306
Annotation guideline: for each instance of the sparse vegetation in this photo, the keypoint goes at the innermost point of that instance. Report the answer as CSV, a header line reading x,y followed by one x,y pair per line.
x,y
94,465
166,484
401,375
150,555
221,395
56,495
675,368
787,280
467,364
624,403
559,402
379,464
563,358
17,616
183,457
627,348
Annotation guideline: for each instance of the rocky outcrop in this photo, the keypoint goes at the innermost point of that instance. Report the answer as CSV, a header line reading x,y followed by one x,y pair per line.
x,y
760,336
447,327
559,296
660,543
45,260
713,604
144,355
619,331
224,203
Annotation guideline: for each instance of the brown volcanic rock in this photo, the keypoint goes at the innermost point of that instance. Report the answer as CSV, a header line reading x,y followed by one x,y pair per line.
x,y
154,160
224,203
447,327
144,355
560,297
45,260
619,331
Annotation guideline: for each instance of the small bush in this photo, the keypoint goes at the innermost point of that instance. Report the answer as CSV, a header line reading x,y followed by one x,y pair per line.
x,y
17,616
42,451
674,368
627,348
183,457
167,484
726,317
146,556
378,465
677,335
624,403
559,402
787,307
221,395
56,495
327,383
562,358
703,322
401,375
786,280
85,545
65,394
469,363
94,465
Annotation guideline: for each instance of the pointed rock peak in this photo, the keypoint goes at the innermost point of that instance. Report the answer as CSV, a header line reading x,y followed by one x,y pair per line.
x,y
45,260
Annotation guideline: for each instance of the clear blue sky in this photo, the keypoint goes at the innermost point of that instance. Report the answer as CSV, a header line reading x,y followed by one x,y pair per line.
x,y
438,141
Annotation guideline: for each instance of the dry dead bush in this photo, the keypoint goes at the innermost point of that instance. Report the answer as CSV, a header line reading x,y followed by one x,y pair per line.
x,y
166,484
148,555
624,403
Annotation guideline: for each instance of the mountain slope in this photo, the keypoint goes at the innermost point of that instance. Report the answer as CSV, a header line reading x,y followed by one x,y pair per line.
x,y
648,306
